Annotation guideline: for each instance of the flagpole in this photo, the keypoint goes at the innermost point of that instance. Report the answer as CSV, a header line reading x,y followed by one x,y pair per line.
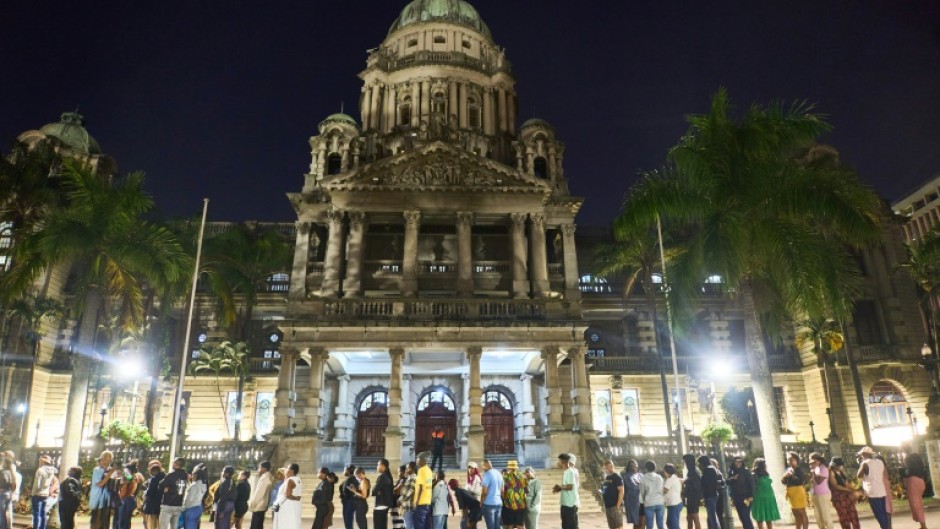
x,y
683,446
174,436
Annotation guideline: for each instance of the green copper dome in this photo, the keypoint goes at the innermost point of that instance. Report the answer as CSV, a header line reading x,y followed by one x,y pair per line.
x,y
338,118
453,11
69,130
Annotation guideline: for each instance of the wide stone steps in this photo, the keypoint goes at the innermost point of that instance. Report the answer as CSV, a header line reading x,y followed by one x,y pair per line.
x,y
549,478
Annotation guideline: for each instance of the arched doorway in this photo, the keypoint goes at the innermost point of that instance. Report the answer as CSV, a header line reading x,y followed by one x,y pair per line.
x,y
888,414
435,408
498,424
371,423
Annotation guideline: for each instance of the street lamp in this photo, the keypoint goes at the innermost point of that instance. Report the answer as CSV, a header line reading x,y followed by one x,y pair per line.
x,y
21,411
131,368
812,430
721,368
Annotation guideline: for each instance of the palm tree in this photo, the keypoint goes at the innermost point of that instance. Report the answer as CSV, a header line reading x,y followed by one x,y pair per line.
x,y
825,339
772,221
225,357
636,257
923,266
27,193
102,235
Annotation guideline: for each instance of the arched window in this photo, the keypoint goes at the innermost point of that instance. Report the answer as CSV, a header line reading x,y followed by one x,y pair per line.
x,y
473,108
436,396
496,396
404,111
540,167
334,163
376,398
439,103
887,405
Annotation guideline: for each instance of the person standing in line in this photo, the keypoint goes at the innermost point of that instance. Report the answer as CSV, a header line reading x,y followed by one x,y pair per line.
x,y
533,499
651,496
287,504
70,491
99,499
242,494
153,496
424,482
131,482
672,496
915,483
741,483
384,492
224,499
193,494
712,482
440,502
722,494
259,500
395,511
491,495
871,471
474,481
347,497
822,496
632,477
844,497
42,484
406,501
514,505
570,499
114,489
692,492
469,506
795,481
612,491
7,486
15,493
438,441
361,498
764,508
322,498
173,489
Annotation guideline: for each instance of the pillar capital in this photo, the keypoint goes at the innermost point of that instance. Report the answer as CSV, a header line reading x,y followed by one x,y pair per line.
x,y
569,229
318,354
465,218
412,217
550,352
357,218
576,352
303,226
396,353
518,219
344,378
538,219
335,215
289,353
474,352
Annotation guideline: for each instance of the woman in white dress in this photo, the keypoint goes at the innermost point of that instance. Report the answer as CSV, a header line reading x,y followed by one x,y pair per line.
x,y
287,505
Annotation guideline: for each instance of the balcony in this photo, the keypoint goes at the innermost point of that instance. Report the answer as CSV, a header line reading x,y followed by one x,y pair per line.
x,y
421,310
686,364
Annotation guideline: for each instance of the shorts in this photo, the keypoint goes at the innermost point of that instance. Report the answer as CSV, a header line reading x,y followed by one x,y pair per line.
x,y
513,516
614,517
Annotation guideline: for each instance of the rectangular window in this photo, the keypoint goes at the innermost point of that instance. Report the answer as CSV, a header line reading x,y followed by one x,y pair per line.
x,y
596,353
867,323
264,414
780,396
602,415
232,409
630,397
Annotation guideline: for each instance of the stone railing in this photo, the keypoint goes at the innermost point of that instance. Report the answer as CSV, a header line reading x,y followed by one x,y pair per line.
x,y
315,268
663,449
556,270
625,363
438,57
371,268
647,362
422,310
437,268
491,267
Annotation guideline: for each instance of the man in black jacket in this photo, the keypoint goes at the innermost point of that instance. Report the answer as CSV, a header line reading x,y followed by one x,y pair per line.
x,y
173,487
741,483
438,440
323,498
712,483
347,497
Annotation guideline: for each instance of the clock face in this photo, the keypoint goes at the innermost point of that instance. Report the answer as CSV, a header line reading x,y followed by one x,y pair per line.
x,y
275,337
595,337
202,337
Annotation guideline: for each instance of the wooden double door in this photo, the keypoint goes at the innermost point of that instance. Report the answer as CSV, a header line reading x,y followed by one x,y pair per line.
x,y
427,420
498,428
370,430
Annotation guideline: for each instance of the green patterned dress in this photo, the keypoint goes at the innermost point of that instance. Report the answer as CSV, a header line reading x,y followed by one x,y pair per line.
x,y
764,508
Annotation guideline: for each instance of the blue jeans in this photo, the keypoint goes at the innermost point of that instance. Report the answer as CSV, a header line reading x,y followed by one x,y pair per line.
x,y
349,514
191,517
39,511
408,517
128,505
673,512
440,522
879,509
651,511
711,512
422,517
491,515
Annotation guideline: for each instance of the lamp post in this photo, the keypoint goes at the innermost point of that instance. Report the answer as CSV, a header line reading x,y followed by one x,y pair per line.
x,y
720,368
131,368
21,411
929,363
627,418
812,430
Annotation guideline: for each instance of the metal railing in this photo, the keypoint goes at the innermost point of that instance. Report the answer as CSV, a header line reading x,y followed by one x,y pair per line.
x,y
422,310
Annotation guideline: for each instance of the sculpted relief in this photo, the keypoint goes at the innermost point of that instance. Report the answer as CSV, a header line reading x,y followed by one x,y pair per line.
x,y
440,172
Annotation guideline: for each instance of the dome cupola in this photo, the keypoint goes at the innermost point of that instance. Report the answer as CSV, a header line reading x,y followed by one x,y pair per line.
x,y
70,131
452,11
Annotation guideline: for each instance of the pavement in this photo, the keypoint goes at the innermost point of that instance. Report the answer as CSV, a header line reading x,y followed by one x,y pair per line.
x,y
901,520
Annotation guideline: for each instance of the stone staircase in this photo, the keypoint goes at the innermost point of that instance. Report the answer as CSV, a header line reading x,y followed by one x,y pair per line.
x,y
550,502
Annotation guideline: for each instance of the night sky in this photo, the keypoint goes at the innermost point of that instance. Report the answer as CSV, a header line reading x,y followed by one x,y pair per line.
x,y
218,99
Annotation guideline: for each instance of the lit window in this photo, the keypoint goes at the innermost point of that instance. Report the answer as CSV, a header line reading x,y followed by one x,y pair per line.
x,y
887,406
657,279
378,398
436,397
713,280
496,396
279,282
590,283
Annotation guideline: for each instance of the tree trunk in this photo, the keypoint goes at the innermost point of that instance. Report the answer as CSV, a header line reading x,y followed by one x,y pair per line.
x,y
78,389
667,408
857,383
238,407
149,409
764,401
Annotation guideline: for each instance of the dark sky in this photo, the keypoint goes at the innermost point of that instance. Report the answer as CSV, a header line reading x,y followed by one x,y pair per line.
x,y
218,99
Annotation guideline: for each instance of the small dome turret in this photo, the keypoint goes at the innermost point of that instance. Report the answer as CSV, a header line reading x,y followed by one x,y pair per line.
x,y
338,118
70,131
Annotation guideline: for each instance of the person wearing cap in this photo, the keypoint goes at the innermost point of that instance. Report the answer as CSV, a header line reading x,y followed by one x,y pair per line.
x,y
474,480
173,490
260,495
871,471
42,488
570,500
153,495
99,499
514,501
491,495
533,499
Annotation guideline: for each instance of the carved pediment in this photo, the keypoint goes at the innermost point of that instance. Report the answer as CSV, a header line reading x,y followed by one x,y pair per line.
x,y
437,167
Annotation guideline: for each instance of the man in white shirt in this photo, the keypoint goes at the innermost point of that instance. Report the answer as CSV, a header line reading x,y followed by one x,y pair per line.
x,y
651,495
672,496
570,499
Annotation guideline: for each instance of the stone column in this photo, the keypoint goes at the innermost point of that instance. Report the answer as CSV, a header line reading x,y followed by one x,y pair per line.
x,y
503,116
425,99
318,357
581,389
334,256
298,276
374,109
343,423
352,285
572,279
415,103
391,108
465,404
453,112
552,385
284,397
464,98
540,285
520,283
511,112
464,254
487,111
528,410
409,263
394,434
407,417
475,436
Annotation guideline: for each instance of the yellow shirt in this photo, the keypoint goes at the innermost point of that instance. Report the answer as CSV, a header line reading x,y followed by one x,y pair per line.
x,y
424,479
